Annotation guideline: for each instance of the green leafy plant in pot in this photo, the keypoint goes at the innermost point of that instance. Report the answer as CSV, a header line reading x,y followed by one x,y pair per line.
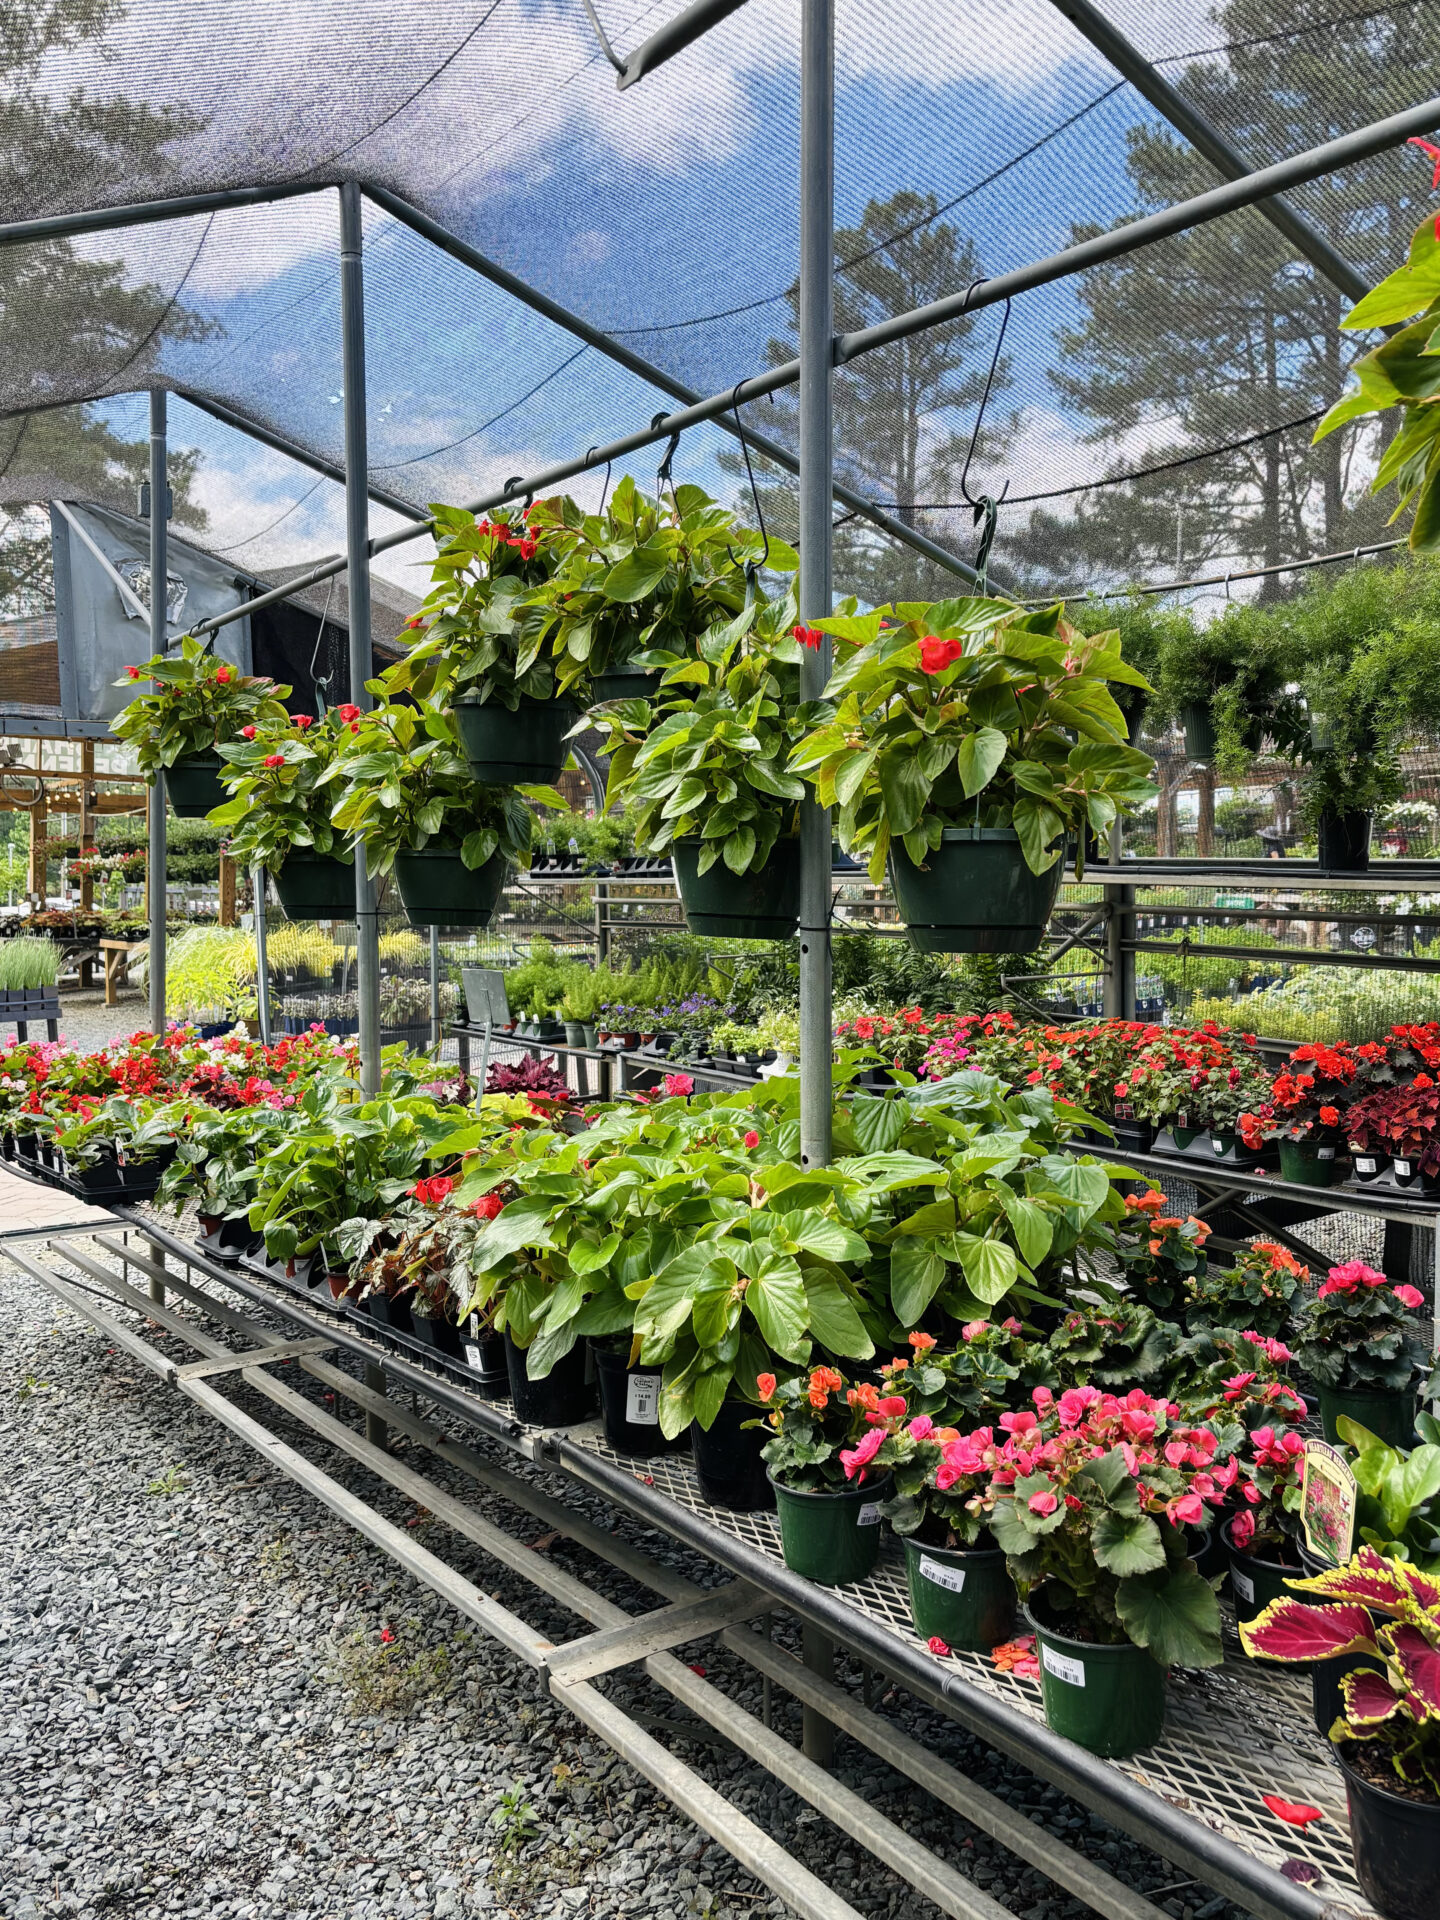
x,y
483,649
278,815
968,738
828,1452
705,768
200,704
407,794
1084,1500
1225,690
636,585
1387,1733
1359,1345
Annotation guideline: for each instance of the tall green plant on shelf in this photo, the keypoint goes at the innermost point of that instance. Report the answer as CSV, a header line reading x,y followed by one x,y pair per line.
x,y
966,713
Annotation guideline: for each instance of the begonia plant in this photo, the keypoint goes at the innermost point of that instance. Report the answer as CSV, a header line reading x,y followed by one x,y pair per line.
x,y
200,704
825,1434
1356,1335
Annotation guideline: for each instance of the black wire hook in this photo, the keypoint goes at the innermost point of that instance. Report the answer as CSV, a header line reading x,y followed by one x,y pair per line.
x,y
322,687
752,567
663,476
518,480
985,510
605,490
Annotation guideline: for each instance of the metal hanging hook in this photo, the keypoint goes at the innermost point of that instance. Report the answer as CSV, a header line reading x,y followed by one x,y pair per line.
x,y
752,567
605,490
985,511
518,480
663,475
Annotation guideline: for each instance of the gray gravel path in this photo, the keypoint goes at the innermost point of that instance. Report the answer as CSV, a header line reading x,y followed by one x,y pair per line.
x,y
198,1715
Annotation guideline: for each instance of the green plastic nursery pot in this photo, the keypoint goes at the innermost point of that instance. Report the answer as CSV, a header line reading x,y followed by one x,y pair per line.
x,y
625,683
1310,1163
1396,1844
1255,1582
975,894
1185,1136
962,1595
1390,1416
759,905
193,787
519,748
1199,728
831,1537
1110,1700
439,890
315,886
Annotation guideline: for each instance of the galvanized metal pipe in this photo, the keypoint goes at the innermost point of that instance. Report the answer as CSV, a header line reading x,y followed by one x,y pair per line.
x,y
262,951
357,581
159,562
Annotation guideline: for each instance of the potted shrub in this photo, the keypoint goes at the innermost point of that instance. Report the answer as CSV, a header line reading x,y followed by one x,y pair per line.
x,y
1359,1346
280,779
407,794
828,1451
1227,694
635,586
482,650
1090,1512
1387,1733
953,759
1398,1127
1304,1113
706,770
199,705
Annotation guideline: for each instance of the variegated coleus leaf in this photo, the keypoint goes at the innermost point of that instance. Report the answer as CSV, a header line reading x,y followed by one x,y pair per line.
x,y
1290,1630
1369,1578
1370,1700
1418,1659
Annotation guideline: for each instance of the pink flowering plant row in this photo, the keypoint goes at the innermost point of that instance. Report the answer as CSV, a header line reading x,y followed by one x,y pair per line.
x,y
1357,1334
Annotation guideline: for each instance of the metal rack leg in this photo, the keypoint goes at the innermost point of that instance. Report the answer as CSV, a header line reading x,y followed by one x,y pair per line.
x,y
817,1739
157,1282
376,1431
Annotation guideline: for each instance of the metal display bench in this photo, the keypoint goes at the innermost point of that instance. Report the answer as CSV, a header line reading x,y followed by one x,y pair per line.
x,y
1232,1734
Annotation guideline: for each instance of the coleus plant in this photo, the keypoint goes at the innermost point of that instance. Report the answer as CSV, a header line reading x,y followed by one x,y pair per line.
x,y
967,713
200,703
1403,1121
277,774
1356,1334
478,638
637,585
1089,1497
708,762
402,783
1394,1705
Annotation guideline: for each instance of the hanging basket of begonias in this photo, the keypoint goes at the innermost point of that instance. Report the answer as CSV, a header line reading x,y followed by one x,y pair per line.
x,y
200,704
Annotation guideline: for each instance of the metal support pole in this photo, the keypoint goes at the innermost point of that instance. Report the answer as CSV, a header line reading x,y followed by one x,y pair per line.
x,y
156,1254
357,581
817,328
376,1430
435,1034
817,1649
262,953
159,561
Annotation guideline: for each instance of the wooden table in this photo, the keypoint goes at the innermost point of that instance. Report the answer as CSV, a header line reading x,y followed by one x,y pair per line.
x,y
116,955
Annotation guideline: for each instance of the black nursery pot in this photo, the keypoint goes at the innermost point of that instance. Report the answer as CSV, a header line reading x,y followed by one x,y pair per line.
x,y
1396,1844
1344,842
394,1314
727,1460
629,1402
442,1335
563,1398
485,1357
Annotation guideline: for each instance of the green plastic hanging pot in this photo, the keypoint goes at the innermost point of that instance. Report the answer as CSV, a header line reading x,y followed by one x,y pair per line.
x,y
315,886
193,787
831,1537
625,683
1108,1699
963,1596
759,905
975,894
439,890
1389,1415
522,747
1200,742
1310,1163
1185,1136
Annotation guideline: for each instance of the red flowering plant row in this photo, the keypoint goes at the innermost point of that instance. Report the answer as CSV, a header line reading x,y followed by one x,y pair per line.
x,y
1307,1097
909,1040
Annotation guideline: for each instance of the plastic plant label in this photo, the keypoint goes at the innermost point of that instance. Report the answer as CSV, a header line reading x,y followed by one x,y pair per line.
x,y
1324,1153
1328,1497
1402,1167
1364,1164
869,1515
472,1356
940,1575
1244,1586
1072,1672
642,1399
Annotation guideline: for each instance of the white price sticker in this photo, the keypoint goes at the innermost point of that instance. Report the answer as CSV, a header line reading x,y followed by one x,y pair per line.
x,y
1363,1164
869,1515
940,1575
1325,1153
642,1399
1402,1167
472,1356
1244,1586
1072,1672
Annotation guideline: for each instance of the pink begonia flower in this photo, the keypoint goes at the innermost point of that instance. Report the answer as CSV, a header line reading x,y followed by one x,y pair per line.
x,y
938,1646
1409,1296
856,1458
972,1327
1043,1502
1043,1398
1017,1423
1189,1509
1242,1530
891,1407
921,1427
679,1085
946,1476
1075,1403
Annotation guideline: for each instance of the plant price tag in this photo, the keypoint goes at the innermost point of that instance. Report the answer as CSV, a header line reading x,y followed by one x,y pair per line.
x,y
1242,1583
941,1575
1072,1672
1328,1496
869,1515
642,1399
472,1355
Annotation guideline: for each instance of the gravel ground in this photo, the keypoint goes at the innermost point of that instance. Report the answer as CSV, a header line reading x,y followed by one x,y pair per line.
x,y
199,1714
86,1022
